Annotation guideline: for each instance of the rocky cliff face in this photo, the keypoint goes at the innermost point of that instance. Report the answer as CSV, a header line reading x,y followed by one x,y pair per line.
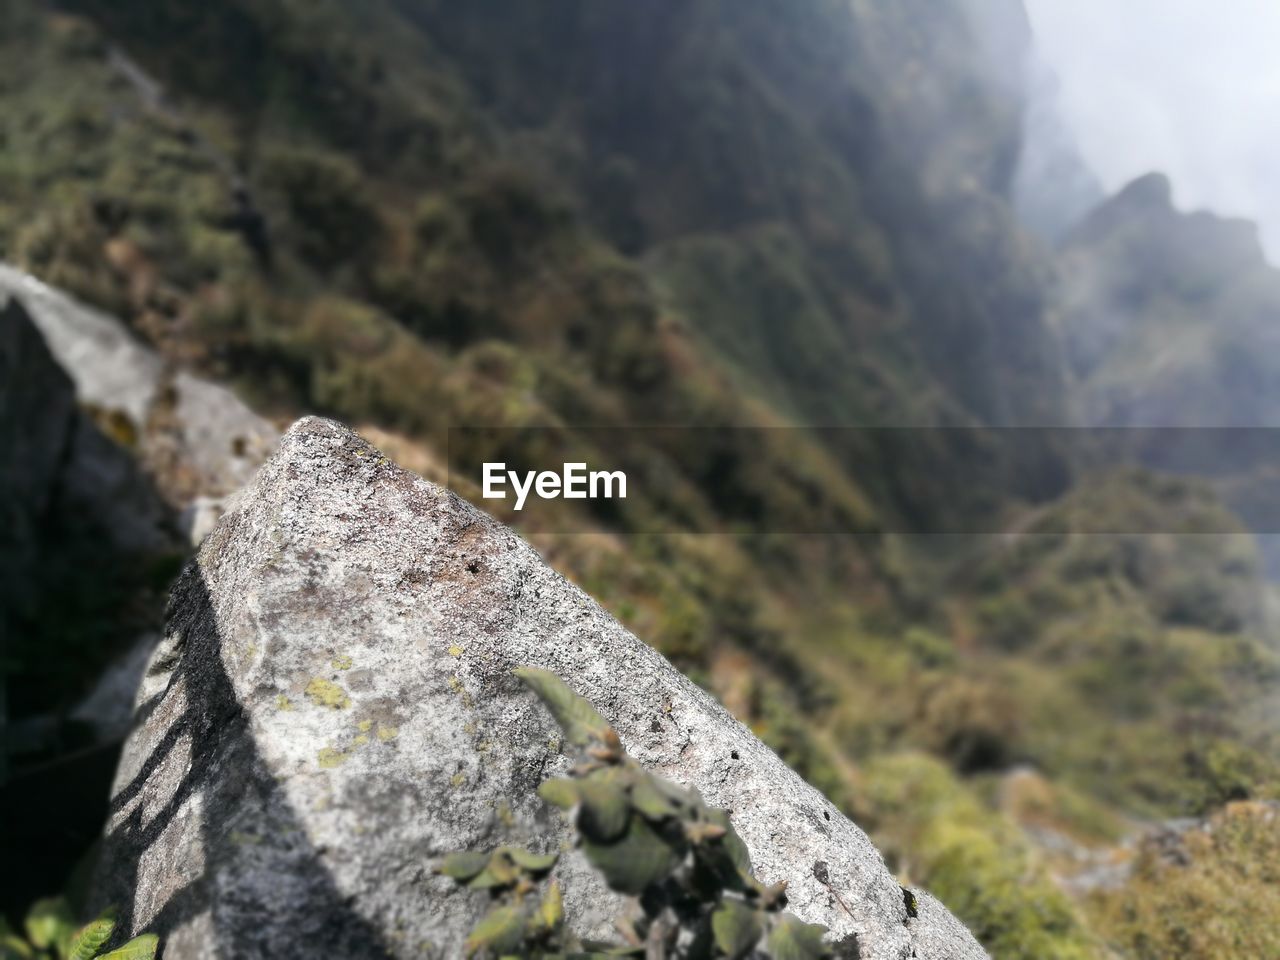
x,y
333,709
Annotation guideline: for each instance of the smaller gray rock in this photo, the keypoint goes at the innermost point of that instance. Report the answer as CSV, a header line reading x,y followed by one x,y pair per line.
x,y
37,418
195,438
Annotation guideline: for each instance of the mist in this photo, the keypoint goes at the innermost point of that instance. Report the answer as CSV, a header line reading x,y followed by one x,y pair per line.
x,y
1180,86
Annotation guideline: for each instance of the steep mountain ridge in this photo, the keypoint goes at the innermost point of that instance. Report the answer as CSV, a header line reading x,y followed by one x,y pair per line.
x,y
1169,317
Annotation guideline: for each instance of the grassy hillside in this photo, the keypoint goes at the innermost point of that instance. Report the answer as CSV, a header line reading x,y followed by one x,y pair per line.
x,y
414,214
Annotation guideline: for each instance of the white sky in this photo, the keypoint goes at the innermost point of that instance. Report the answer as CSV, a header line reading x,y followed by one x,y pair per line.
x,y
1188,87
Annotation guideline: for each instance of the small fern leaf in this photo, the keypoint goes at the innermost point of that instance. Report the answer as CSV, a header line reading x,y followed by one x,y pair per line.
x,y
49,923
736,927
577,717
139,948
605,810
793,939
641,858
12,946
93,935
463,866
560,792
551,910
535,863
499,932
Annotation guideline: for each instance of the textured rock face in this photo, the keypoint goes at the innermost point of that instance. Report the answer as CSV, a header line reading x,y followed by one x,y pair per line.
x,y
37,412
333,708
196,439
58,466
70,498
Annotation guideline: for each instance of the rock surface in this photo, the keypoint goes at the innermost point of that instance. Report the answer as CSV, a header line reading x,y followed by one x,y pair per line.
x,y
58,468
332,708
195,439
37,413
71,500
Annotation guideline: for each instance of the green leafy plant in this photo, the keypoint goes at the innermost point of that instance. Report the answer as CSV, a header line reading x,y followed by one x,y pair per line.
x,y
52,934
682,861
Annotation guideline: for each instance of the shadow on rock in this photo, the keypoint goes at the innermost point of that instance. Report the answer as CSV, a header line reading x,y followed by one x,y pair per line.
x,y
201,828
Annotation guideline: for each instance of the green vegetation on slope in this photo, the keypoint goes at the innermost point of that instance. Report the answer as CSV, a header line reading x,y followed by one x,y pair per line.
x,y
415,214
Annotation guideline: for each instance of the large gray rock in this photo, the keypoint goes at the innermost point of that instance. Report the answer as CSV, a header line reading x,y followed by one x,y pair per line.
x,y
333,708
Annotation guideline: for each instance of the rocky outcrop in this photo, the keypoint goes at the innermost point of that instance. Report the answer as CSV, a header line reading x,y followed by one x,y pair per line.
x,y
58,469
37,410
75,511
196,440
102,448
333,708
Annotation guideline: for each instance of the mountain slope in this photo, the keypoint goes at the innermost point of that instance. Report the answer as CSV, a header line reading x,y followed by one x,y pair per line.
x,y
415,214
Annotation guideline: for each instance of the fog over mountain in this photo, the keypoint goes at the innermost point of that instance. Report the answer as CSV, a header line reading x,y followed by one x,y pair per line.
x,y
1180,86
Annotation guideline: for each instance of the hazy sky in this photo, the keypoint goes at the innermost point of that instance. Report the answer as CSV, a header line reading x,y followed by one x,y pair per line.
x,y
1189,87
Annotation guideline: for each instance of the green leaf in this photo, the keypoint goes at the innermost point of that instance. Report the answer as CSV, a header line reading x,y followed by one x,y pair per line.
x,y
737,928
499,872
560,792
604,812
551,910
577,717
463,866
499,931
532,862
12,946
50,923
656,798
731,842
792,939
639,859
93,935
139,948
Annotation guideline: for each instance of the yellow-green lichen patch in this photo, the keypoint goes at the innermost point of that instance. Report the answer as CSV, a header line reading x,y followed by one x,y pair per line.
x,y
326,693
365,726
330,758
504,814
455,651
458,779
283,703
388,733
361,740
456,686
341,662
